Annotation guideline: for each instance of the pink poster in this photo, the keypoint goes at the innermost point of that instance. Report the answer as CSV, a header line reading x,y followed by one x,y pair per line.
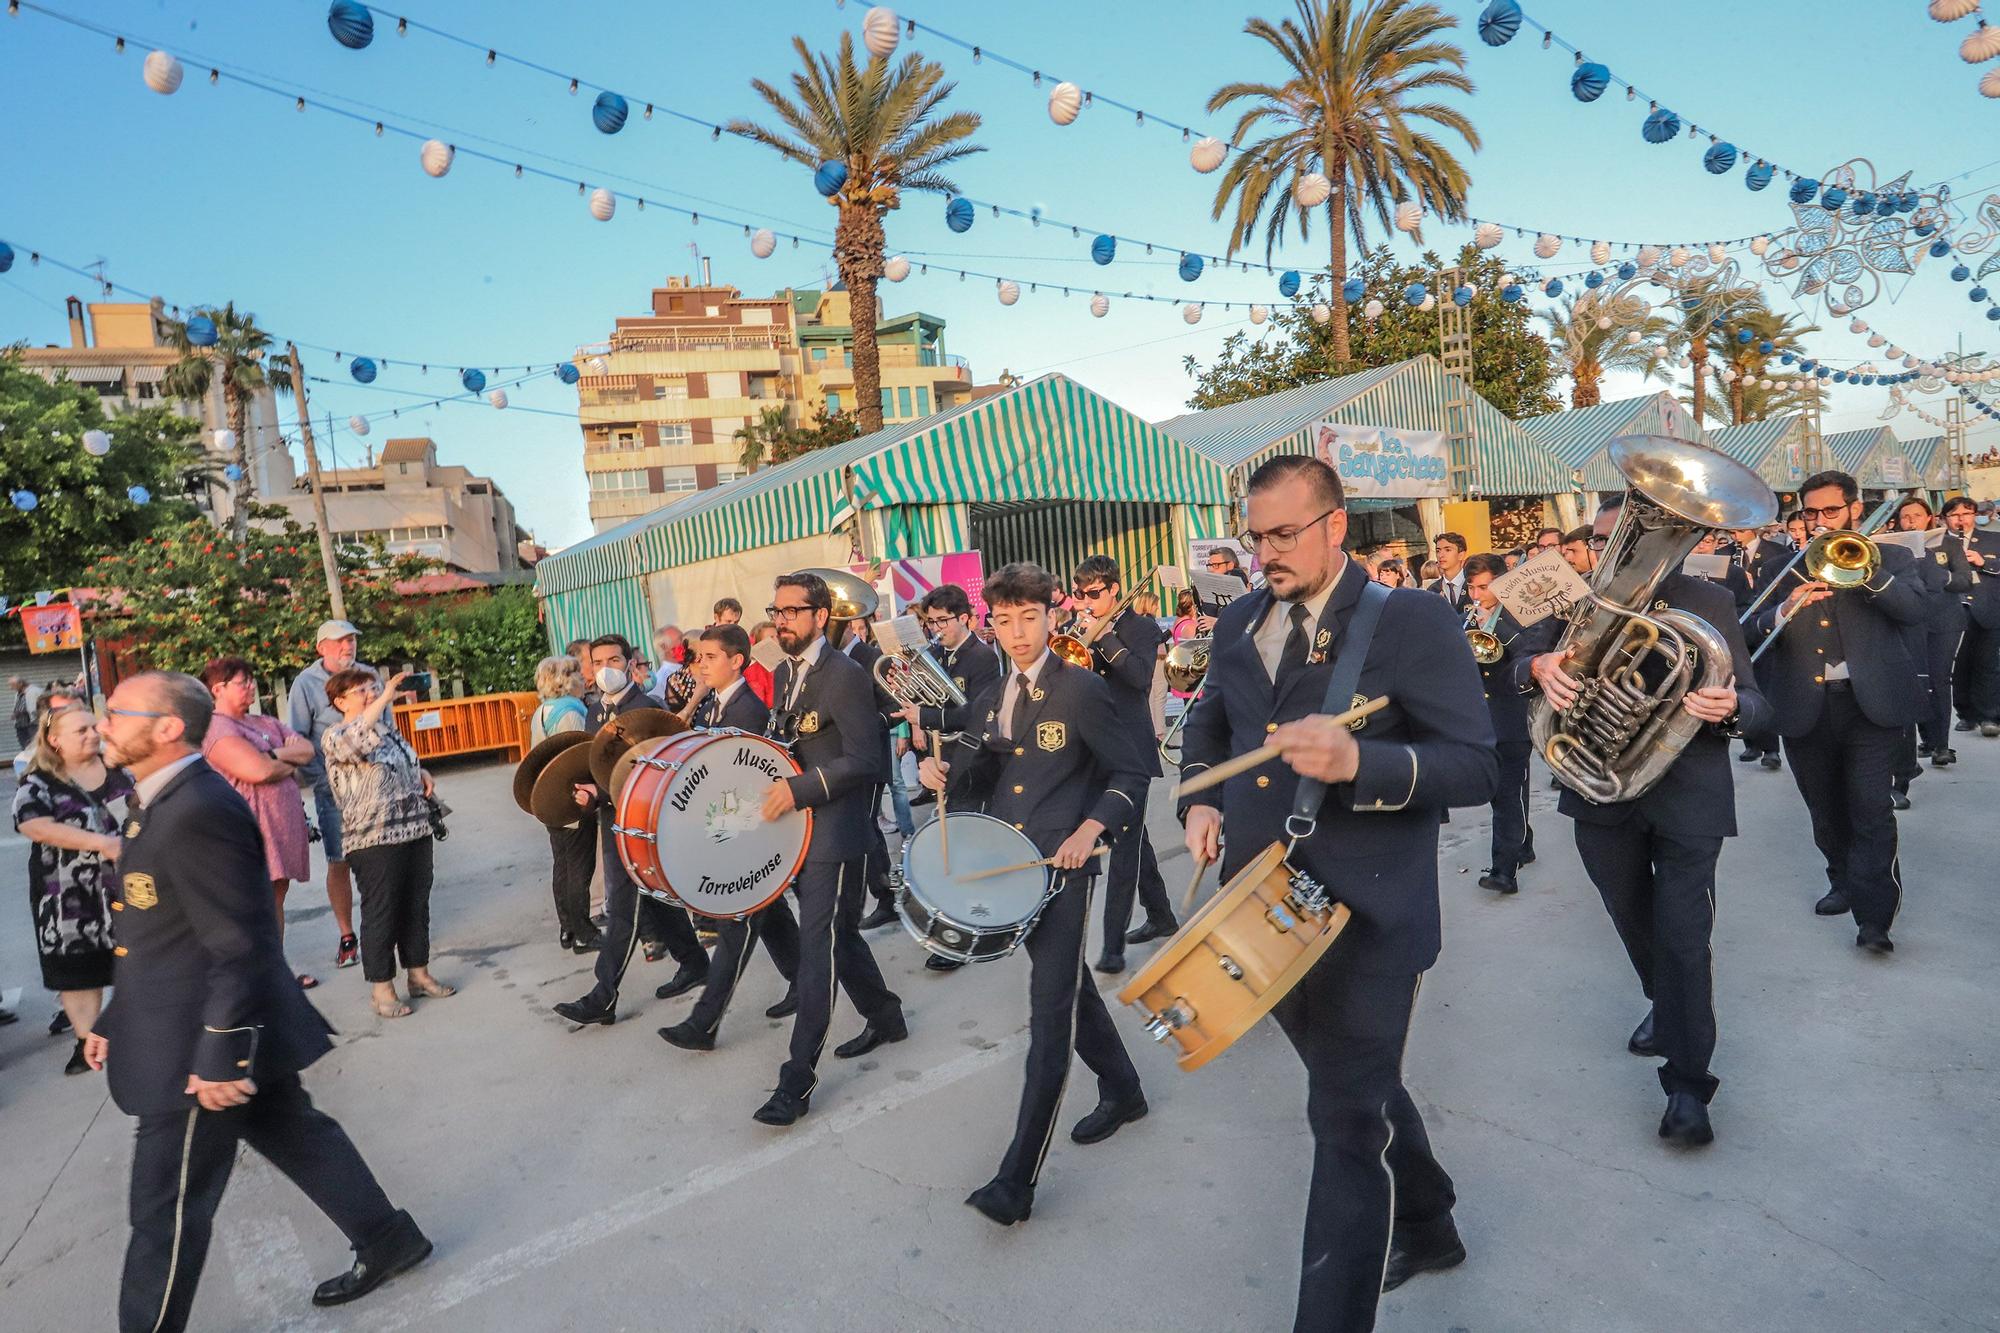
x,y
904,582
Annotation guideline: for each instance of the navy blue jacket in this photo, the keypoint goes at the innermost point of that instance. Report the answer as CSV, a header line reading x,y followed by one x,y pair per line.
x,y
744,712
1874,625
836,734
1505,703
975,667
1985,589
1125,655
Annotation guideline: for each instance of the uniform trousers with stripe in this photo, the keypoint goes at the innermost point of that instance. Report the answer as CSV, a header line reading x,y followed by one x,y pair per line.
x,y
1510,808
628,917
735,942
1842,767
1941,650
832,952
181,1163
1372,1162
1065,1015
1134,872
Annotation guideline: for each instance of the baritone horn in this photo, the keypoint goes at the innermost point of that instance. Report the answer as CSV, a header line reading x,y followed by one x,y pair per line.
x,y
1185,668
915,680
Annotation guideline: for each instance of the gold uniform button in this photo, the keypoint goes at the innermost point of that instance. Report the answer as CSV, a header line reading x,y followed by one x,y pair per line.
x,y
120,951
1819,680
117,907
1820,651
1270,727
1018,789
1019,750
1017,826
1826,624
1263,781
242,1064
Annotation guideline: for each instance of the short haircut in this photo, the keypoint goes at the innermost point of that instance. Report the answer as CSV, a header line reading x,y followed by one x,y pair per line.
x,y
340,682
1097,567
612,641
948,598
1958,502
1485,562
1582,534
1454,538
1023,583
818,596
1819,481
553,674
1323,480
1225,553
732,639
577,648
222,670
186,698
727,604
1556,532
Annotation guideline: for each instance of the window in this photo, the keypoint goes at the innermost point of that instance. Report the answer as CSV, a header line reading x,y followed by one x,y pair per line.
x,y
757,315
678,479
624,439
728,472
625,481
676,432
923,400
819,354
903,402
145,391
476,488
887,409
832,403
671,391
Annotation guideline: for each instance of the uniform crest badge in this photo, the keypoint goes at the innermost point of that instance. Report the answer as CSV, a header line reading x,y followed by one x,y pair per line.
x,y
139,891
809,723
132,828
960,682
1359,700
1051,735
1941,558
1318,654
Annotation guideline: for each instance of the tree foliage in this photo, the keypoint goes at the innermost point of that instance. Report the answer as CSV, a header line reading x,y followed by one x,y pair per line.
x,y
491,642
771,439
240,358
1593,337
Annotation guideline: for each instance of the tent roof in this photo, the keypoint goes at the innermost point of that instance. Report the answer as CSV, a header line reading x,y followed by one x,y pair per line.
x,y
1236,433
1580,436
1926,453
1772,449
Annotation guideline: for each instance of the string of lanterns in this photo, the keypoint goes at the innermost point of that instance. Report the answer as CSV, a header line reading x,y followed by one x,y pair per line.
x,y
1980,45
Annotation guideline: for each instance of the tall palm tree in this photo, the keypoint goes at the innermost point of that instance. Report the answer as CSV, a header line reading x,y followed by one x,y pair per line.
x,y
1706,308
1743,397
1592,338
885,124
1346,108
238,357
763,440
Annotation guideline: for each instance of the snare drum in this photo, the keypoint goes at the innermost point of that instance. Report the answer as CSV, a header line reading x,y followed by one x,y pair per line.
x,y
986,918
690,826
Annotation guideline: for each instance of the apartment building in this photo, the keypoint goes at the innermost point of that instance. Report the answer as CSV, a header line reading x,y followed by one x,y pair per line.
x,y
414,504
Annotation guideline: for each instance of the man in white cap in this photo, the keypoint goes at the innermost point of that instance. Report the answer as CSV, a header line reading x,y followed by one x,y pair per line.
x,y
310,714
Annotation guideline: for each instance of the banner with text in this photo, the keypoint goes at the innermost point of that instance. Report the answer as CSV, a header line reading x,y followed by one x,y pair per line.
x,y
1382,463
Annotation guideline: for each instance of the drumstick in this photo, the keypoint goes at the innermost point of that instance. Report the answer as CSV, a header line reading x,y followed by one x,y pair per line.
x,y
1263,754
944,832
1023,865
1200,869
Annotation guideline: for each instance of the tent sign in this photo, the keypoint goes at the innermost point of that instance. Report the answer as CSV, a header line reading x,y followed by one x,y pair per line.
x,y
1377,462
53,629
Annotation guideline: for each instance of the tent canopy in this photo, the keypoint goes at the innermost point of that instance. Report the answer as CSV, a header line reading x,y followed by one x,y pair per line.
x,y
1773,449
1872,457
1930,463
1581,436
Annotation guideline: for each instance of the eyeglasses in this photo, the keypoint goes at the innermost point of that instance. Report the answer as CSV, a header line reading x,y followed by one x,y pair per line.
x,y
1219,563
1826,511
1097,591
1599,543
133,712
938,622
786,612
1282,540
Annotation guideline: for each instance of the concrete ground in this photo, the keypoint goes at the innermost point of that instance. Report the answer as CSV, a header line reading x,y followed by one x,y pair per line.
x,y
601,1180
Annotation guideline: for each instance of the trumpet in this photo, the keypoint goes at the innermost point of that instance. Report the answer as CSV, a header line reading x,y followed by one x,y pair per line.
x,y
1075,650
1486,647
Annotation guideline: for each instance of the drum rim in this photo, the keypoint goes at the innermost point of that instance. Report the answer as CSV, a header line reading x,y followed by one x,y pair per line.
x,y
1015,932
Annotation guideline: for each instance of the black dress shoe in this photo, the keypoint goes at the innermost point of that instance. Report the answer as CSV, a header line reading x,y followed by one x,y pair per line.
x,y
786,1007
1527,858
1963,725
1103,1122
77,1064
584,1013
1833,904
1924,750
883,915
688,1037
1003,1203
1641,1040
1407,1258
1875,940
1686,1121
565,940
1749,756
782,1109
1111,964
1773,762
1898,800
1944,758
939,963
871,1037
1151,930
590,943
682,981
1500,883
401,1250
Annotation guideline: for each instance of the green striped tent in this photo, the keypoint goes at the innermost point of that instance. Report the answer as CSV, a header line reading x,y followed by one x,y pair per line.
x,y
1775,449
1409,395
1581,436
1872,457
1930,461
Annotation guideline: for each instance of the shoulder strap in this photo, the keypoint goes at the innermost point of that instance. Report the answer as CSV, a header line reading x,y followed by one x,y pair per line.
x,y
1339,692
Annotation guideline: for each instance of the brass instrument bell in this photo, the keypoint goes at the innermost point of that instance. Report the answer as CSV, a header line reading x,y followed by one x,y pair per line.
x,y
1486,648
854,598
1842,558
1186,663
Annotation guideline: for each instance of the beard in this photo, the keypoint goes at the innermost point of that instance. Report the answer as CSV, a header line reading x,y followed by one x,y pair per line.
x,y
124,756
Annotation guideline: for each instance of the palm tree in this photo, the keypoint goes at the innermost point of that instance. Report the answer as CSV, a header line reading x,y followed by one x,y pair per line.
x,y
885,125
763,440
1345,109
238,356
1707,308
1592,337
1743,397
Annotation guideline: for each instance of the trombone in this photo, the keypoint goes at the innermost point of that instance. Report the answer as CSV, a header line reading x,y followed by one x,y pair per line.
x,y
1076,651
1486,646
1842,558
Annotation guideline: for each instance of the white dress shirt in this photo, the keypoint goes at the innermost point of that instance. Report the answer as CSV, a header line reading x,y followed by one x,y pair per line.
x,y
802,666
1277,623
151,785
1012,689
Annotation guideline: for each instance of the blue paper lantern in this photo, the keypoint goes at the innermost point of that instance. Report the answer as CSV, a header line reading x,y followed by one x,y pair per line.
x,y
1414,294
1512,293
1462,296
363,369
1786,359
1865,205
473,380
1993,312
25,500
201,331
1977,294
608,112
567,373
1758,176
1803,190
1832,197
351,24
1593,280
831,175
1353,290
1960,273
1589,81
1627,271
1807,363
1822,372
1840,377
1744,335
6,256
1719,158
1553,287
1661,126
1940,248
1867,379
1923,229
1104,249
1498,22
1288,283
233,473
1765,347
958,215
1190,268
138,495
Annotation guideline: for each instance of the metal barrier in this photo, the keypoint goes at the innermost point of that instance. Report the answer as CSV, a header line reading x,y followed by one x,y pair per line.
x,y
469,726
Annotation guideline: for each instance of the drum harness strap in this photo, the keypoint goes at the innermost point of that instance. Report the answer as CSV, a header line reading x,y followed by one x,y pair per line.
x,y
1304,819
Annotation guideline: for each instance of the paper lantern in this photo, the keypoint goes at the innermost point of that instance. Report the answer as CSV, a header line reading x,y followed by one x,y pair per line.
x,y
1980,45
958,215
1288,284
1603,323
1894,353
568,373
1258,314
1627,271
1190,267
603,204
1719,158
608,112
1429,303
96,443
1487,235
762,243
6,256
473,380
1600,252
1940,248
1659,354
1744,335
1511,293
201,331
1191,312
1462,297
1311,190
1103,249
1802,191
830,176
233,473
1206,155
225,441
1593,280
1759,244
138,495
1010,291
24,500
1099,305
163,73
1353,290
1498,22
1765,346
1589,81
881,31
1553,287
1415,294
436,155
1373,310
896,269
1409,216
1717,253
350,23
1321,312
1989,83
1679,257
358,424
1065,103
1661,126
498,398
1832,197
1632,336
1950,11
1858,326
598,365
1547,245
1758,176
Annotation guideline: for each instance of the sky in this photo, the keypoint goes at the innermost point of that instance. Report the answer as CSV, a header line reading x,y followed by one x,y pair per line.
x,y
336,237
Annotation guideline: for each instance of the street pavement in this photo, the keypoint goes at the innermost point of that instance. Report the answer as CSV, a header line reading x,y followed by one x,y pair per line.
x,y
601,1180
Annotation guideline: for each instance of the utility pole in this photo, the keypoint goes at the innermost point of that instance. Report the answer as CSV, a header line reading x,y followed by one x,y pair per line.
x,y
326,560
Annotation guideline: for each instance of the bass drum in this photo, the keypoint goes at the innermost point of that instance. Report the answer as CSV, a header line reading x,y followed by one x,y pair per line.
x,y
977,920
689,825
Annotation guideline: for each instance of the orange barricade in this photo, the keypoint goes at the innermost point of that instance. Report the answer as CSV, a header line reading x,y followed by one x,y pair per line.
x,y
469,726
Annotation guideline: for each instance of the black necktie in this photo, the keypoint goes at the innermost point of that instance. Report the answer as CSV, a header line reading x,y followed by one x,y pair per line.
x,y
796,683
1293,659
1019,712
705,715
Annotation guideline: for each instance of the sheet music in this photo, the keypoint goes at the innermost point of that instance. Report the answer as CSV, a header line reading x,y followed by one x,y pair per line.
x,y
1171,576
901,636
1215,589
767,654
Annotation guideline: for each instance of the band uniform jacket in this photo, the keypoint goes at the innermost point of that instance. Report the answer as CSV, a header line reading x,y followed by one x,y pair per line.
x,y
1949,556
1126,655
1697,794
200,982
596,712
1455,596
974,666
1869,626
1505,703
1762,561
1736,583
1375,846
1944,613
744,712
1073,758
837,736
1985,590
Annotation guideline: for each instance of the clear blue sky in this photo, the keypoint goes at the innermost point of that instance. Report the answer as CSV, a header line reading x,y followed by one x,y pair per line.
x,y
337,237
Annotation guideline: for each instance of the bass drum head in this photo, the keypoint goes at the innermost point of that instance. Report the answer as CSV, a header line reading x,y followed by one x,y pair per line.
x,y
978,842
720,856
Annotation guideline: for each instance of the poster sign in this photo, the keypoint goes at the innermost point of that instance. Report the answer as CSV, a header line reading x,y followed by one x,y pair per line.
x,y
1378,462
902,583
53,629
1539,587
1895,470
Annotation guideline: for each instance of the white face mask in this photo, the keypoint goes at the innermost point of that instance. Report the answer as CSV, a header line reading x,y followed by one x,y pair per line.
x,y
612,680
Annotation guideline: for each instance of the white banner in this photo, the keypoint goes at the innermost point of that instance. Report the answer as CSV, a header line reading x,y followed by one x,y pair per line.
x,y
1378,462
1541,586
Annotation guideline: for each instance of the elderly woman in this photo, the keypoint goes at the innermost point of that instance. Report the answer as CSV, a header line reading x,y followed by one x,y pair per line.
x,y
259,755
572,848
560,683
385,829
63,808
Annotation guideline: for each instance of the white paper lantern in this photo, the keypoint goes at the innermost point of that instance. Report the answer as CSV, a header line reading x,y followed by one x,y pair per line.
x,y
1508,280
896,269
1858,326
1717,253
1951,11
1728,374
763,243
1980,45
1322,312
1649,255
1487,235
881,31
1373,310
1311,190
1632,336
1065,103
1679,257
225,441
1600,252
1010,291
498,398
1759,244
1206,155
436,155
1604,321
1100,304
1409,216
1876,340
1895,353
1547,245
1989,83
96,443
358,424
163,73
603,204
1191,312
1258,314
1659,354
1430,303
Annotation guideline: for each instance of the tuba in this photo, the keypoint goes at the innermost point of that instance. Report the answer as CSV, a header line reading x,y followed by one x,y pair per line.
x,y
1635,664
854,598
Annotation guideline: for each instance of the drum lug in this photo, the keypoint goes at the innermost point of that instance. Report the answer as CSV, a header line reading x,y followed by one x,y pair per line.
x,y
1307,896
1170,1019
639,834
1230,967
